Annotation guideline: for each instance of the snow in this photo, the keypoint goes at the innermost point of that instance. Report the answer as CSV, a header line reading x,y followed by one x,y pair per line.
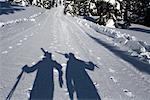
x,y
2,0
23,3
63,34
111,1
110,23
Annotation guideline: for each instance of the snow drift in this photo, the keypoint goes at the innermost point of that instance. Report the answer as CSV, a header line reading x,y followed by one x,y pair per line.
x,y
134,47
31,18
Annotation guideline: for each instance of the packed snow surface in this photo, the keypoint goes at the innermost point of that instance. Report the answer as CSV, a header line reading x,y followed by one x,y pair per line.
x,y
100,70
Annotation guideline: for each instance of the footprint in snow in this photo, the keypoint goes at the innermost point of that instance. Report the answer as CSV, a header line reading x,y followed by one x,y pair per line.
x,y
128,93
10,47
19,44
25,38
20,41
113,79
98,58
4,52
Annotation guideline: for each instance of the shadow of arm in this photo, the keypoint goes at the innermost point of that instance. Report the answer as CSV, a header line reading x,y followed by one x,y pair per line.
x,y
87,65
59,68
90,66
28,69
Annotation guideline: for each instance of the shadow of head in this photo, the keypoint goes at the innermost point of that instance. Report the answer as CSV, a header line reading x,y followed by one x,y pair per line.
x,y
70,55
47,54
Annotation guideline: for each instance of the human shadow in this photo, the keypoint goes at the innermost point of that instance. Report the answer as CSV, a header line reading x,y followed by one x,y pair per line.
x,y
140,30
43,86
78,80
7,8
143,67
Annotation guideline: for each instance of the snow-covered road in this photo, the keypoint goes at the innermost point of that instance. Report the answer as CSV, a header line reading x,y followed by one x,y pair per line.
x,y
119,76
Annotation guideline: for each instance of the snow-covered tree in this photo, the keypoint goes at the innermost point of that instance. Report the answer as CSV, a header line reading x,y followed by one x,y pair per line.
x,y
77,7
127,11
40,3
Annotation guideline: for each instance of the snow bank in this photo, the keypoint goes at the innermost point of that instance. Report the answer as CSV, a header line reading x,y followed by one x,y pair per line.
x,y
135,47
31,18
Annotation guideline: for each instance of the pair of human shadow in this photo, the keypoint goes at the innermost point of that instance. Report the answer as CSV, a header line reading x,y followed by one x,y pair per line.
x,y
77,79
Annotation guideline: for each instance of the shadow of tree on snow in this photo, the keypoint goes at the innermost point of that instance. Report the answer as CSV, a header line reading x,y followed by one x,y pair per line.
x,y
7,8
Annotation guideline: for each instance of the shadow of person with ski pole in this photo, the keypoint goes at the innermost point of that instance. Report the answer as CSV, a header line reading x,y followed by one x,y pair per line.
x,y
43,86
15,85
78,80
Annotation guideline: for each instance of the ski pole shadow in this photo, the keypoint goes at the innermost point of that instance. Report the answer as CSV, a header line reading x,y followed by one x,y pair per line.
x,y
15,85
43,86
78,80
